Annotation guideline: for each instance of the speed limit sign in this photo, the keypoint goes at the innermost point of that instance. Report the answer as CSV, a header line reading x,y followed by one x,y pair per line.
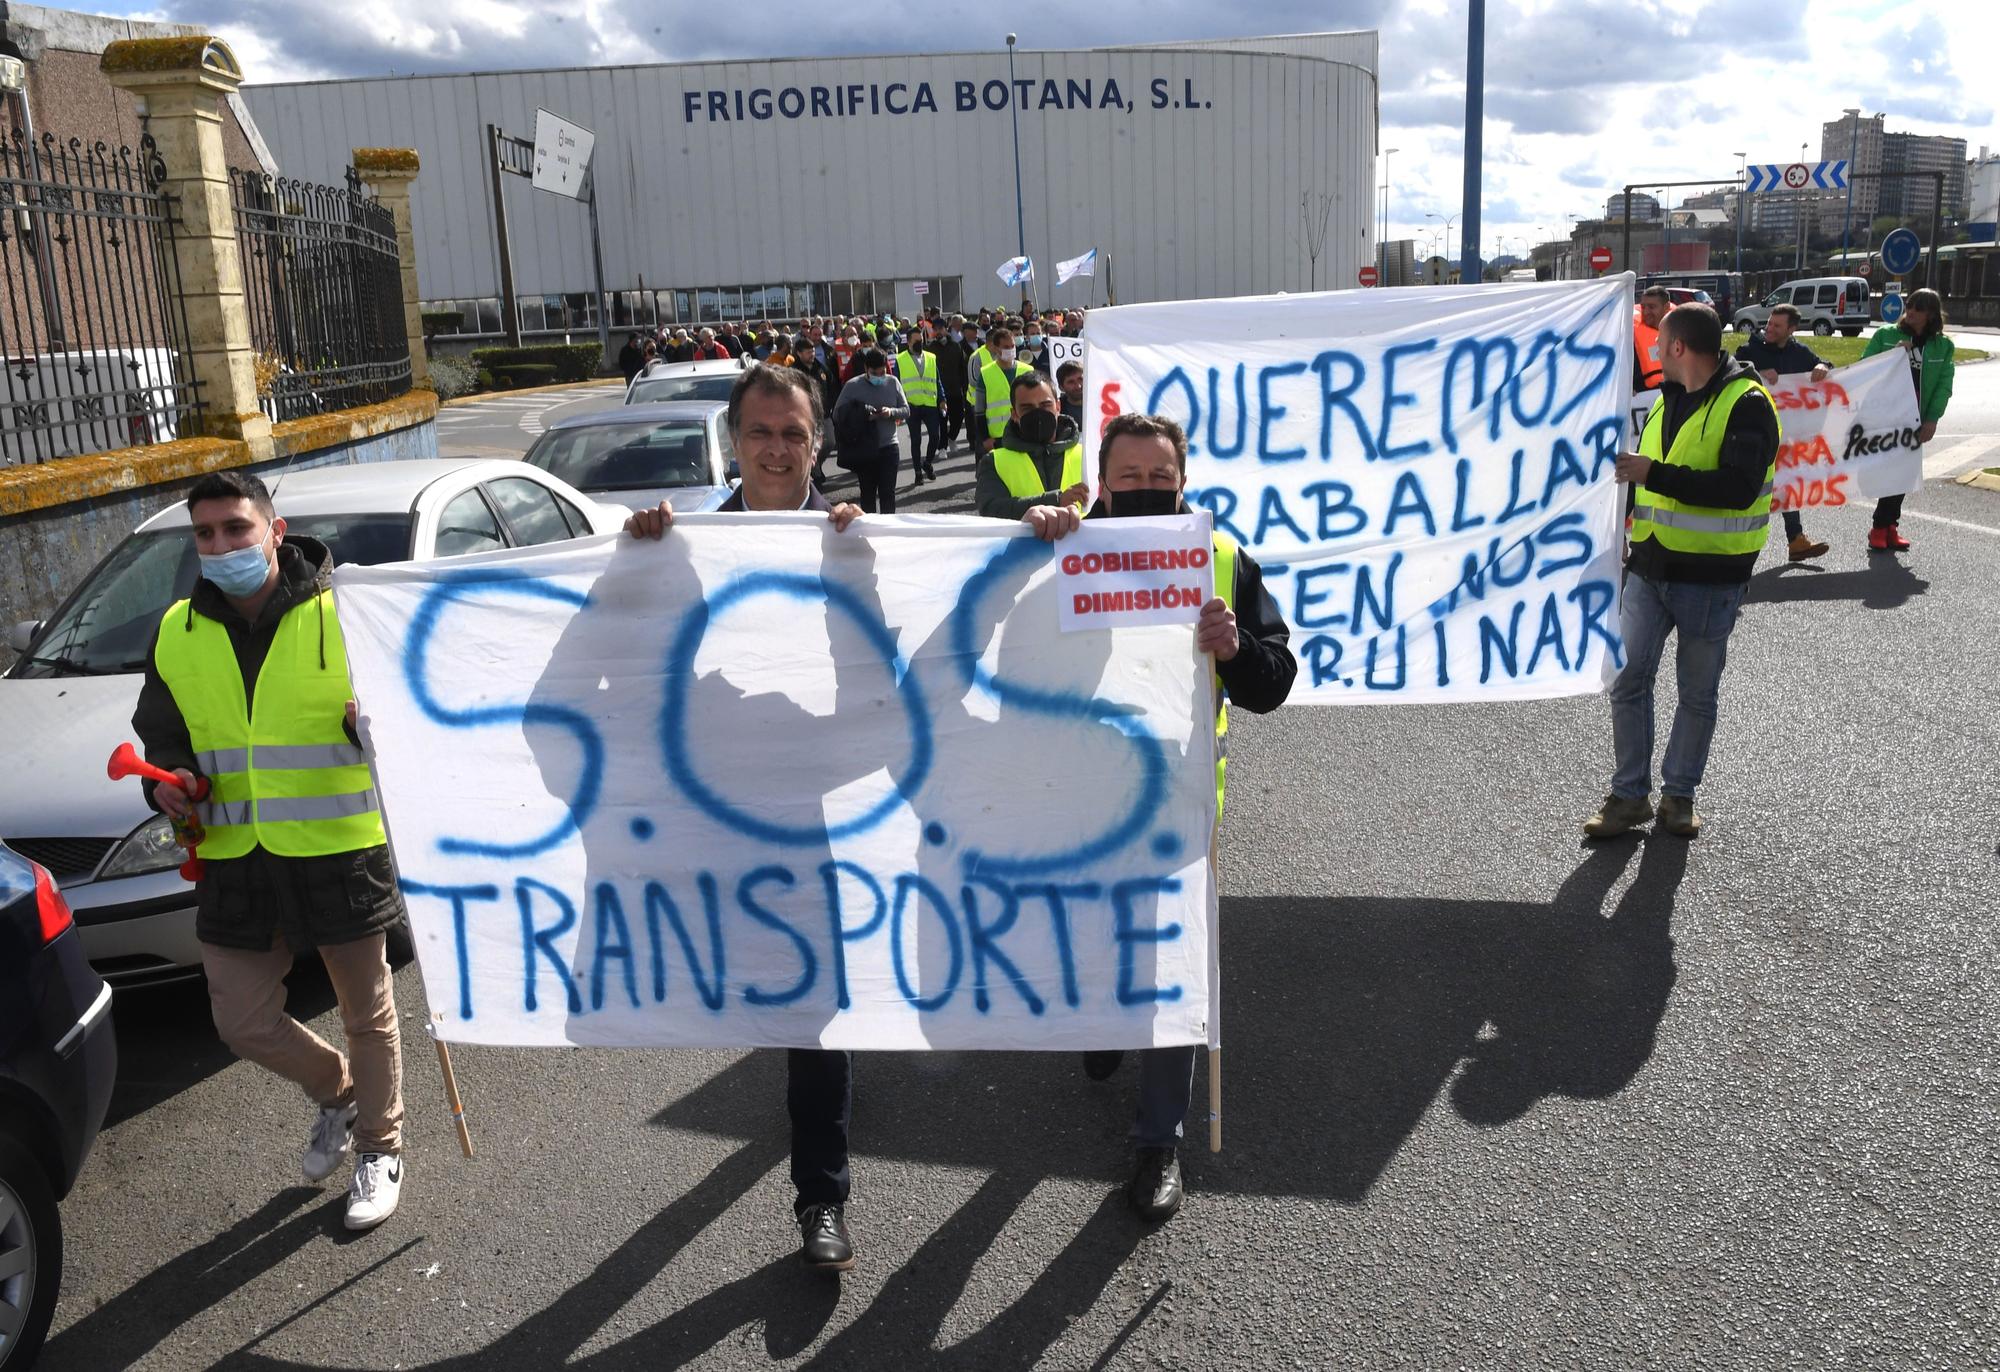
x,y
1797,175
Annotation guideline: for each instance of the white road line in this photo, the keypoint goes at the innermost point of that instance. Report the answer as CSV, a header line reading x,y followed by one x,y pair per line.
x,y
1954,523
1950,458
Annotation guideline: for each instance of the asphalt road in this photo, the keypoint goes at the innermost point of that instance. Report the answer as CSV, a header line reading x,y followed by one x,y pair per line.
x,y
1495,1098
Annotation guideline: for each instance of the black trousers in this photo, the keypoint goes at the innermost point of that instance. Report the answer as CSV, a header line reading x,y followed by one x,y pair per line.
x,y
954,413
878,480
819,1096
925,421
1888,510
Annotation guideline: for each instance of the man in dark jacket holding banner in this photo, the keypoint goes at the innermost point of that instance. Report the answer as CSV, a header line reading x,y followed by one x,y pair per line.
x,y
1143,467
1702,483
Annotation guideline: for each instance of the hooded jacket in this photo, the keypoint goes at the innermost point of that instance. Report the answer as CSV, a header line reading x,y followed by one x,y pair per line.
x,y
244,902
995,501
1749,446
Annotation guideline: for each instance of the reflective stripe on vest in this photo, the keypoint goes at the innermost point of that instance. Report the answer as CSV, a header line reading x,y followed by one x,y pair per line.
x,y
919,377
1698,529
1225,586
283,773
1017,469
1000,394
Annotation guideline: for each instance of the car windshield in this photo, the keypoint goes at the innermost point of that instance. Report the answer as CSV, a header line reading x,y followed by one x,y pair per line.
x,y
627,457
110,623
645,391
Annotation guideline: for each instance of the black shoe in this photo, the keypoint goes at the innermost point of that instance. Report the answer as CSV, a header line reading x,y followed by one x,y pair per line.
x,y
824,1243
1100,1063
920,478
930,472
1156,1191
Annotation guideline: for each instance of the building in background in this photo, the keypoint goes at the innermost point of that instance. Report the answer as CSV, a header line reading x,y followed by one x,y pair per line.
x,y
1857,140
1398,263
1915,197
780,187
1645,208
1982,195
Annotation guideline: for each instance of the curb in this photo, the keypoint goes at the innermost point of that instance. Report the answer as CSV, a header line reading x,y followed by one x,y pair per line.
x,y
1986,479
529,390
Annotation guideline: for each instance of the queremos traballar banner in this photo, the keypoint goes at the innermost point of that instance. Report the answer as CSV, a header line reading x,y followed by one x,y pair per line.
x,y
1426,476
760,783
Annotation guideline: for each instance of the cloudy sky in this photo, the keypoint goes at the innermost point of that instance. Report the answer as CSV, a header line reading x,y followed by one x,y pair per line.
x,y
1582,95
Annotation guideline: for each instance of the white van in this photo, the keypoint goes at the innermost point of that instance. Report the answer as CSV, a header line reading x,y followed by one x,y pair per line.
x,y
97,399
1824,303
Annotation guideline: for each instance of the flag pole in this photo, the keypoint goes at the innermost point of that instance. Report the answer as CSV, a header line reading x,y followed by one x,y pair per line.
x,y
451,1096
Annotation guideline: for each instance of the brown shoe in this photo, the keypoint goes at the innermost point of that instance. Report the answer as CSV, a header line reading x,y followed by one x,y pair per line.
x,y
1678,818
1803,549
1618,815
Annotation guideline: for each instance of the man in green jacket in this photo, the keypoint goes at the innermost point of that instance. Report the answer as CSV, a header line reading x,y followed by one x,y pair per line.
x,y
1920,332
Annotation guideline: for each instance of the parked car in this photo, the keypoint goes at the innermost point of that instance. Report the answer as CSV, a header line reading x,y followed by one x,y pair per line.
x,y
96,399
637,456
662,381
68,701
58,1060
1683,295
1824,303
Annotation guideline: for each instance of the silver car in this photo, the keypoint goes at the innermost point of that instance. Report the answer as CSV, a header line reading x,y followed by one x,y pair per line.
x,y
664,381
68,701
640,455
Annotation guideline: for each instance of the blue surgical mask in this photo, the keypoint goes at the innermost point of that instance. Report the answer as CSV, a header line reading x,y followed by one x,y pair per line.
x,y
237,574
875,380
1034,340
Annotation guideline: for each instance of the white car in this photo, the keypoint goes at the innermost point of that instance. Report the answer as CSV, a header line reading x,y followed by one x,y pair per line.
x,y
68,701
712,380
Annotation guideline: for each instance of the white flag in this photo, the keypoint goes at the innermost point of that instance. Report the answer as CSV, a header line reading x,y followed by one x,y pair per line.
x,y
1015,270
1077,266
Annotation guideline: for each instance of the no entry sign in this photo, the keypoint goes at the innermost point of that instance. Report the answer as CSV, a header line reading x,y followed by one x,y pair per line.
x,y
1600,259
1368,276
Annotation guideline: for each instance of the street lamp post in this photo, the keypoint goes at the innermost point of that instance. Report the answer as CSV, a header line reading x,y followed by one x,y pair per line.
x,y
1742,205
1448,220
1853,146
1799,263
1666,229
1014,110
1382,244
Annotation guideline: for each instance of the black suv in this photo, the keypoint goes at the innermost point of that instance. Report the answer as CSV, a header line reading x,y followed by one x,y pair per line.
x,y
57,1062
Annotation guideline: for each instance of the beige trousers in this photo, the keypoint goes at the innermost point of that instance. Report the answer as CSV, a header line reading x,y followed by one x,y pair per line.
x,y
246,994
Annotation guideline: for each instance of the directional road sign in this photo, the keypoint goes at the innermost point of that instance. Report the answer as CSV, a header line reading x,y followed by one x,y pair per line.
x,y
1892,306
1795,176
1600,259
562,154
1901,251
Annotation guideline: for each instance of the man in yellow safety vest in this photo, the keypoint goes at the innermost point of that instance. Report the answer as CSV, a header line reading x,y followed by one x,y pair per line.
x,y
989,388
1143,460
1039,459
246,685
1702,482
917,370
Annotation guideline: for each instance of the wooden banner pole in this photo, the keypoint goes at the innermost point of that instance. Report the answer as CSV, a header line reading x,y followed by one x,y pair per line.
x,y
451,1097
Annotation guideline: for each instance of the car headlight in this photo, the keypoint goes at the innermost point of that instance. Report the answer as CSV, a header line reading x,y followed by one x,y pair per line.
x,y
148,848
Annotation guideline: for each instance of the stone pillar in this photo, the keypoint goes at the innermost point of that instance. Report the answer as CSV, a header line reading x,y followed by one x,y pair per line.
x,y
184,82
389,171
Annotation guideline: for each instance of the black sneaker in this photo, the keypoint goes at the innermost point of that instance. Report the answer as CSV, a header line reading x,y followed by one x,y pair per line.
x,y
824,1243
1156,1191
1100,1063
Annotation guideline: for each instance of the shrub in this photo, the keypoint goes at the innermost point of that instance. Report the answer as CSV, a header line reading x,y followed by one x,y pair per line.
x,y
437,321
451,376
524,374
567,361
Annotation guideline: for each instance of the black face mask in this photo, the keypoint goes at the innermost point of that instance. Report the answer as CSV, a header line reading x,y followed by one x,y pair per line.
x,y
1139,504
1037,426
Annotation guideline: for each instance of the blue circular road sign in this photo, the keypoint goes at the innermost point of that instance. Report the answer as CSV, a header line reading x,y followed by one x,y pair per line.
x,y
1892,306
1901,251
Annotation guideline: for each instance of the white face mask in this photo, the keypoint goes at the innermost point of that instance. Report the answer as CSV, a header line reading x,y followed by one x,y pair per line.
x,y
1005,354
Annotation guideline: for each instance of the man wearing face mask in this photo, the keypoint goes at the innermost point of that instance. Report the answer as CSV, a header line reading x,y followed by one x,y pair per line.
x,y
991,390
1034,347
1038,460
875,394
1143,465
246,685
951,351
917,374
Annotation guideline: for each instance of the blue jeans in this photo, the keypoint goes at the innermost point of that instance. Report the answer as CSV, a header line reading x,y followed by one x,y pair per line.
x,y
1702,616
1166,1088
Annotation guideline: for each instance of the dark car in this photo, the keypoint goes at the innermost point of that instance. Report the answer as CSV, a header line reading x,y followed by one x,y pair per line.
x,y
57,1062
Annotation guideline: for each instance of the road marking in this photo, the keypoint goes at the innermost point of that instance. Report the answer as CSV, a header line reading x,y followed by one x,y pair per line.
x,y
1953,457
1954,523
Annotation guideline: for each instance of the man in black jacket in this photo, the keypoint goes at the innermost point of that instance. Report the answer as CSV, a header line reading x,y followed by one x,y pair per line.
x,y
1776,352
774,421
1143,463
952,351
1701,514
294,864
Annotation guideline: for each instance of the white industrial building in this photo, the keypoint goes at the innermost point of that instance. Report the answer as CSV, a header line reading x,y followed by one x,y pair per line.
x,y
773,188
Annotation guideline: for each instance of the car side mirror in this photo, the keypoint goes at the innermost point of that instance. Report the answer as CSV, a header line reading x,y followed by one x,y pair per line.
x,y
23,634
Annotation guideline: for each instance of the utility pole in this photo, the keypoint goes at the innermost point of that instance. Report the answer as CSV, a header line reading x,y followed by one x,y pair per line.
x,y
510,305
1475,118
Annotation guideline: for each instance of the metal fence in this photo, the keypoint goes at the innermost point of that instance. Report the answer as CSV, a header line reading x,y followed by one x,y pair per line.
x,y
323,282
92,330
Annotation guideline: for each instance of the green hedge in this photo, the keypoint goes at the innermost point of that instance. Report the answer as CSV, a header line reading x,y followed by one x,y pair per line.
x,y
524,374
568,361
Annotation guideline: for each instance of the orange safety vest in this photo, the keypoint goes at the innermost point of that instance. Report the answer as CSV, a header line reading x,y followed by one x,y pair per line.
x,y
1646,347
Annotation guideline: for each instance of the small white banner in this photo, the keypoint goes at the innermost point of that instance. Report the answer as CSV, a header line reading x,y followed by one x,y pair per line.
x,y
1120,572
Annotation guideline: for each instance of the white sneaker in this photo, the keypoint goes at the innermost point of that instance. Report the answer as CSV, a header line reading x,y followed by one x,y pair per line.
x,y
332,1139
377,1186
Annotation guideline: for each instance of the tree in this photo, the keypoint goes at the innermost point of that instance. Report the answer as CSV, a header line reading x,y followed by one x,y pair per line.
x,y
1315,231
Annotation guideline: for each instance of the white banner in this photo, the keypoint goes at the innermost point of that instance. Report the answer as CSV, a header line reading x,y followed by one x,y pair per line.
x,y
1850,437
762,784
1425,476
1115,572
1063,350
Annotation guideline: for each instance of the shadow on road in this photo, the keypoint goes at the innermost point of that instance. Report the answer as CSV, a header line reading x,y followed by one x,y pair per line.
x,y
1885,584
1348,1017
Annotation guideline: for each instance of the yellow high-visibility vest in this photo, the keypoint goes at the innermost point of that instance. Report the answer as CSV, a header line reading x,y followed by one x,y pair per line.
x,y
1683,528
